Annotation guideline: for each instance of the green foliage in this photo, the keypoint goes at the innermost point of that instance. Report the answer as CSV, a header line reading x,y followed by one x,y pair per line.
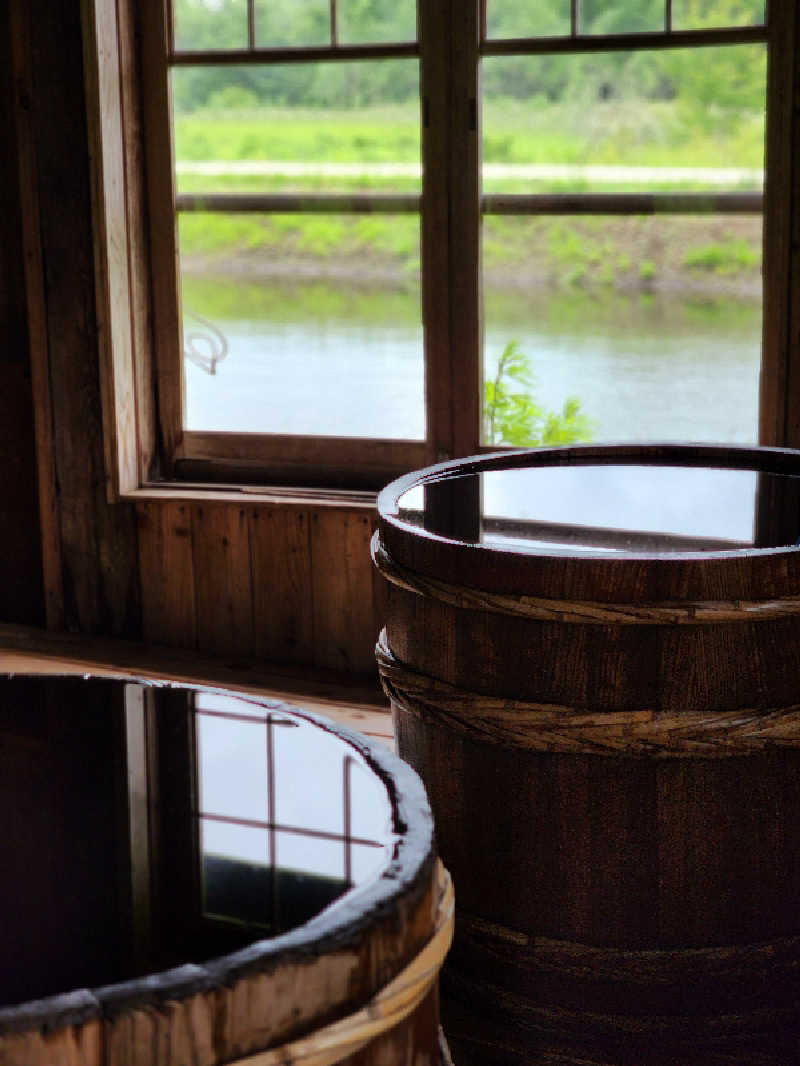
x,y
725,257
512,416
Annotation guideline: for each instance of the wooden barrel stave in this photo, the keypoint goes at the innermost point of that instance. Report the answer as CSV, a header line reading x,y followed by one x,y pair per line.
x,y
322,992
659,833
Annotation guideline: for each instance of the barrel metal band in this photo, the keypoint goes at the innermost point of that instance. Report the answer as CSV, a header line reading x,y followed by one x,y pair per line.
x,y
386,1010
550,727
583,612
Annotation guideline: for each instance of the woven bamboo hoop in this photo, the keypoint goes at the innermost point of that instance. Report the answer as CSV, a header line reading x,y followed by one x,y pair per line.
x,y
551,728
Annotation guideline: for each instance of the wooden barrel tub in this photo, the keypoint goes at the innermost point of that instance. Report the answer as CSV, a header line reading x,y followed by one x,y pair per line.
x,y
142,926
593,658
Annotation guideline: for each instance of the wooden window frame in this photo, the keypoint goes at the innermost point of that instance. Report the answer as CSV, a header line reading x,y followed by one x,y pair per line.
x,y
141,363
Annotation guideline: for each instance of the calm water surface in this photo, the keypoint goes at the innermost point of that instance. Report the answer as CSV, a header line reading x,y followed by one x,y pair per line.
x,y
331,359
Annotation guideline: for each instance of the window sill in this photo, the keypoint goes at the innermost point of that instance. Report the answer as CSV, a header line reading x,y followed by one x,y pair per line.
x,y
277,495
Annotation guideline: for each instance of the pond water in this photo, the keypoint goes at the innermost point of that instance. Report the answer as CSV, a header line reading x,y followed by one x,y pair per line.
x,y
331,358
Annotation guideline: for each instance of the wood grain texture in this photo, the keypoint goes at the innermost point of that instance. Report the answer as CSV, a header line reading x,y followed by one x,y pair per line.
x,y
111,246
222,579
778,389
344,626
72,1046
605,846
19,26
370,961
167,569
98,541
464,282
280,544
21,591
162,232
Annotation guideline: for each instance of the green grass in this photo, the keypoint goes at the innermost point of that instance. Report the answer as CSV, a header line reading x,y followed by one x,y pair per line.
x,y
727,257
563,252
392,238
632,133
375,135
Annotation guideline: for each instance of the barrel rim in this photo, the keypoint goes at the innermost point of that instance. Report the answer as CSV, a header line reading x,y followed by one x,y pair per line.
x,y
625,575
407,875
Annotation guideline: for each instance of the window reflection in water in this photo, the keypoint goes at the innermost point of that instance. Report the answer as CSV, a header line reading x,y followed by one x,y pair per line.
x,y
289,815
611,507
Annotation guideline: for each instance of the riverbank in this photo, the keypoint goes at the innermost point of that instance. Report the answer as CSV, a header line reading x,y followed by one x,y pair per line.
x,y
719,255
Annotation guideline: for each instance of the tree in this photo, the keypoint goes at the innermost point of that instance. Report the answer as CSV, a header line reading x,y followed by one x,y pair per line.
x,y
512,416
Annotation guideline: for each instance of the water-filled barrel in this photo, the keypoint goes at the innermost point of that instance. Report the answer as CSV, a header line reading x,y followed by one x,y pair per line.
x,y
592,657
190,876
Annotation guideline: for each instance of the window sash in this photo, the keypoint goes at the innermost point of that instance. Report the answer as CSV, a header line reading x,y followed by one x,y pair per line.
x,y
451,206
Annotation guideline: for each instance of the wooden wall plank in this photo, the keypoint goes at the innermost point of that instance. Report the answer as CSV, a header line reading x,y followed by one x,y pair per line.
x,y
21,590
778,425
280,546
98,557
167,571
112,276
434,31
223,592
466,303
19,23
344,622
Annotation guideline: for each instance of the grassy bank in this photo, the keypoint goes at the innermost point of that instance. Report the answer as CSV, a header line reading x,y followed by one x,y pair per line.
x,y
675,253
713,253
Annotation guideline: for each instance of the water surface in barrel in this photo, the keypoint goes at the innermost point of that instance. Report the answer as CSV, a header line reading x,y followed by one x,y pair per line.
x,y
146,827
602,507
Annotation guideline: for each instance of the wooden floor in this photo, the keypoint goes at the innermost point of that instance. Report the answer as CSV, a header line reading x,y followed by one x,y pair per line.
x,y
359,705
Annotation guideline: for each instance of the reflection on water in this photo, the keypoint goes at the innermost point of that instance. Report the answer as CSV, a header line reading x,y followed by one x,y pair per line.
x,y
611,508
334,358
290,815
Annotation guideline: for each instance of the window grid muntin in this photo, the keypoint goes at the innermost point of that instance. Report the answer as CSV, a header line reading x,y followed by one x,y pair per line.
x,y
567,41
271,825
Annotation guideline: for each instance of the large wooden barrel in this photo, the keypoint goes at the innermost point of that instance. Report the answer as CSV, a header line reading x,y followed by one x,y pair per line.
x,y
593,657
190,878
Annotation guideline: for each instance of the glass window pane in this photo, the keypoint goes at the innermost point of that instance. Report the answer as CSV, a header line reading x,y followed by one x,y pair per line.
x,y
366,863
234,841
642,365
318,322
314,113
651,323
210,24
311,855
232,767
361,22
217,701
510,18
292,23
370,811
309,791
716,14
681,119
235,872
292,321
629,16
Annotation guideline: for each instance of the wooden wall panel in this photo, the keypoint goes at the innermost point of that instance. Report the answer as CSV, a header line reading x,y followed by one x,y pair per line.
x,y
280,583
344,626
96,542
280,548
167,573
223,587
21,591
